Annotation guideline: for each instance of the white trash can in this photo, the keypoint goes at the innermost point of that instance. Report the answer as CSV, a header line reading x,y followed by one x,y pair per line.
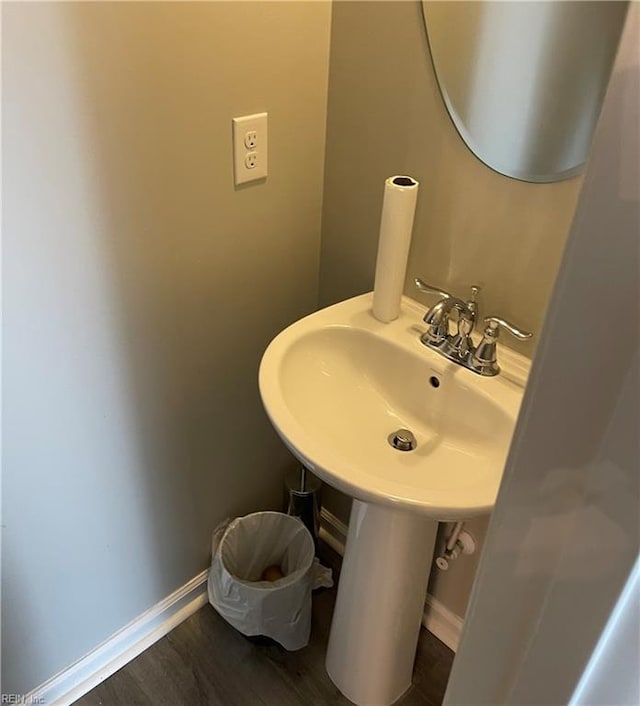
x,y
241,550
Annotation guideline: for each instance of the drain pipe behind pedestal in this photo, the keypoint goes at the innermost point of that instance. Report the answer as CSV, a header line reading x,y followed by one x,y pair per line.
x,y
459,541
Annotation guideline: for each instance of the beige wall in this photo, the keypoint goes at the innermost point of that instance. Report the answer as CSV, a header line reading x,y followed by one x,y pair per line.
x,y
140,289
473,226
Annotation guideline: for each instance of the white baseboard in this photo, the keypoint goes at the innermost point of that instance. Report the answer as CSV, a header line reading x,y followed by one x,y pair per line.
x,y
333,531
437,619
444,624
76,680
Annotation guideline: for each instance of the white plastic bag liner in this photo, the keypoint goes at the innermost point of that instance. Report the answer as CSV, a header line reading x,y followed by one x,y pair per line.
x,y
241,550
322,575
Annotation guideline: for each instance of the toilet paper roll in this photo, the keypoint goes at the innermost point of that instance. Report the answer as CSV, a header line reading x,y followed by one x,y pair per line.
x,y
396,224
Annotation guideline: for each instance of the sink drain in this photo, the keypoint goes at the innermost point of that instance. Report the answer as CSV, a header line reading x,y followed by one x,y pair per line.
x,y
402,440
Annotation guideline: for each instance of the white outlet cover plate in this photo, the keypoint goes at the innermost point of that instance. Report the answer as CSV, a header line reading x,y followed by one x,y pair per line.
x,y
241,126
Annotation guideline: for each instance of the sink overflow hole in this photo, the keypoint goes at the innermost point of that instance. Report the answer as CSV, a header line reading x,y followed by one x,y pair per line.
x,y
434,382
402,440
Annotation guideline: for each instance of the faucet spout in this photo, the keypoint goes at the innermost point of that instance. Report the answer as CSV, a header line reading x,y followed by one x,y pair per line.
x,y
444,308
437,318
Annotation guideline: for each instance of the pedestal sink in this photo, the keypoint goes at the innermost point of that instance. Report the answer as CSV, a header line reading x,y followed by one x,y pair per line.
x,y
337,385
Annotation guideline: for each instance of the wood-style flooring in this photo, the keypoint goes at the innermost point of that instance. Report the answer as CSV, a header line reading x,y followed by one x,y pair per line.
x,y
206,662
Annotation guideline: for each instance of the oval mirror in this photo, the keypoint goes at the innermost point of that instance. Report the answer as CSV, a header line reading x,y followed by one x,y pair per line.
x,y
524,81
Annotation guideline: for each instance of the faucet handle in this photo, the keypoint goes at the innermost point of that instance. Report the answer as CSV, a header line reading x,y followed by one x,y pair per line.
x,y
475,290
428,289
495,322
484,359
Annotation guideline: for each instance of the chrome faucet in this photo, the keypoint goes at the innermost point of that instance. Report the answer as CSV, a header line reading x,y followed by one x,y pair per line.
x,y
459,347
437,336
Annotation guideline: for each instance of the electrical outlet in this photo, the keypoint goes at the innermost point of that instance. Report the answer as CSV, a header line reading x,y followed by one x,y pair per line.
x,y
250,148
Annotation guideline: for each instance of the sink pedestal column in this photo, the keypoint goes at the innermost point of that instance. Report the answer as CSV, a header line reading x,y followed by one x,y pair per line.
x,y
380,603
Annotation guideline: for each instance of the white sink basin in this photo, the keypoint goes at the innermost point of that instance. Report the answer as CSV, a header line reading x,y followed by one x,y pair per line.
x,y
336,384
